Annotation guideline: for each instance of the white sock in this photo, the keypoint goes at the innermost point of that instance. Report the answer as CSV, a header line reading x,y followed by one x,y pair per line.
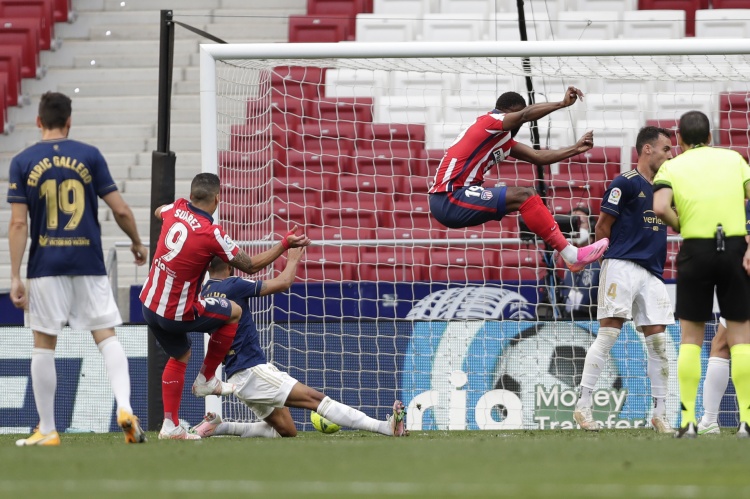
x,y
247,430
343,415
596,358
44,384
570,254
117,369
714,386
658,371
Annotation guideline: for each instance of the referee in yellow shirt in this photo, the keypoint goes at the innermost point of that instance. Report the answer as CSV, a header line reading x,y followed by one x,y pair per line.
x,y
708,187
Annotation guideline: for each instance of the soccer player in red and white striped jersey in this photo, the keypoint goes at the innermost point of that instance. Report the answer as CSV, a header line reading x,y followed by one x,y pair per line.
x,y
171,301
457,198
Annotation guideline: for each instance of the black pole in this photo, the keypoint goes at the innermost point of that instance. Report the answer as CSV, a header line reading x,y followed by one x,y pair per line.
x,y
162,192
550,278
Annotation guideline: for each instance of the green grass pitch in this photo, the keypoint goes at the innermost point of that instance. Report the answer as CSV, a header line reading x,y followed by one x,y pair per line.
x,y
518,464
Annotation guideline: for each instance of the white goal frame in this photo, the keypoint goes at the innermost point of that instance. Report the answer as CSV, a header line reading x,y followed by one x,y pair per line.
x,y
211,53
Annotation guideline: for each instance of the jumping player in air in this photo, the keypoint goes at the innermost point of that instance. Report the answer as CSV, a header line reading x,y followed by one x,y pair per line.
x,y
172,306
458,200
261,386
631,285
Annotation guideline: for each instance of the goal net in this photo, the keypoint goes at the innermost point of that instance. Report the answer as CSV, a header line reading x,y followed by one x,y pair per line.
x,y
472,328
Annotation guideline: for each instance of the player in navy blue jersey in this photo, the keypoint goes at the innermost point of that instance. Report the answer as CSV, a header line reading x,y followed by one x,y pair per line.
x,y
260,385
631,285
56,184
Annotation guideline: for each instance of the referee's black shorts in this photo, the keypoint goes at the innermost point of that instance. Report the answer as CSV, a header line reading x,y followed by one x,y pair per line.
x,y
700,268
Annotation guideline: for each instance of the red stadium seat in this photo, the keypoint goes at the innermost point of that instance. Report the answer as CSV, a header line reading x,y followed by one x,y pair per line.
x,y
302,82
522,264
368,183
292,213
381,165
465,264
352,109
327,233
39,13
728,4
394,264
510,170
407,186
689,6
62,10
10,63
392,137
344,8
301,163
318,29
564,205
330,137
306,191
408,233
734,113
26,36
328,263
361,212
413,212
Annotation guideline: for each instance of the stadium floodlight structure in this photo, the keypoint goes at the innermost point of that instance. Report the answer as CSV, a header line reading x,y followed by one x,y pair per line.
x,y
342,139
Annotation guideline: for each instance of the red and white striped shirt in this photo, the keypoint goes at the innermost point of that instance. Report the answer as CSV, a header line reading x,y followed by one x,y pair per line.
x,y
188,241
473,153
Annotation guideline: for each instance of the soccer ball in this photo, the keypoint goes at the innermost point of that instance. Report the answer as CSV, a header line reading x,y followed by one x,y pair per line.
x,y
322,424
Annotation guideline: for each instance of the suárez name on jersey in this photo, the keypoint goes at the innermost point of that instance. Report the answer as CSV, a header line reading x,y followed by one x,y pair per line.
x,y
189,218
59,162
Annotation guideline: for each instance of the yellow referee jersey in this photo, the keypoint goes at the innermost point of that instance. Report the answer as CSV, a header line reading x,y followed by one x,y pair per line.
x,y
708,186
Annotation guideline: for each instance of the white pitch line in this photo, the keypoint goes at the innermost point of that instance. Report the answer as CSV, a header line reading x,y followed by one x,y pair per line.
x,y
371,488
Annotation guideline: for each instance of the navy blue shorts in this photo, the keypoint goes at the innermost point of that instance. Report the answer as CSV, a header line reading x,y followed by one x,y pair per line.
x,y
468,206
173,335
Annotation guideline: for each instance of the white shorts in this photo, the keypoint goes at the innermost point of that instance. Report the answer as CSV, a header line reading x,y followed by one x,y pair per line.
x,y
263,388
628,291
84,302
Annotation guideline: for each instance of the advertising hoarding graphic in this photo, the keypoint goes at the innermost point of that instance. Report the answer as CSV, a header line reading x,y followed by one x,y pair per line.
x,y
524,375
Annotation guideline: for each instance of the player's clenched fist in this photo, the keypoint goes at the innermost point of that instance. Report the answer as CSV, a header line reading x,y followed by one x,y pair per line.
x,y
571,96
586,142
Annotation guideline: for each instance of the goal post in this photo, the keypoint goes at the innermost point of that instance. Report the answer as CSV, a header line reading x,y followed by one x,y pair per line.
x,y
471,328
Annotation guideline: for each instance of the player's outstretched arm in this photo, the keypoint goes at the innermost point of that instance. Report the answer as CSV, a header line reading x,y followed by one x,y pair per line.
x,y
18,231
257,263
126,221
286,278
548,157
540,110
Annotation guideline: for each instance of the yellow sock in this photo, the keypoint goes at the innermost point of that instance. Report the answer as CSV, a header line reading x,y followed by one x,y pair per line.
x,y
689,375
741,378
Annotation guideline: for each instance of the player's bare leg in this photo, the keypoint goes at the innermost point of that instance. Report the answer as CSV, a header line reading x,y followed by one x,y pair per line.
x,y
538,218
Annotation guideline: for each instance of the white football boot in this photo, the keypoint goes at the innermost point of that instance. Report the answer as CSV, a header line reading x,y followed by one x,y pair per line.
x,y
708,428
170,431
661,425
585,419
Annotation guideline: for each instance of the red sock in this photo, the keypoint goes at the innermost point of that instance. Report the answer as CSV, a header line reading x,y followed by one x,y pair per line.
x,y
540,221
172,381
218,347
